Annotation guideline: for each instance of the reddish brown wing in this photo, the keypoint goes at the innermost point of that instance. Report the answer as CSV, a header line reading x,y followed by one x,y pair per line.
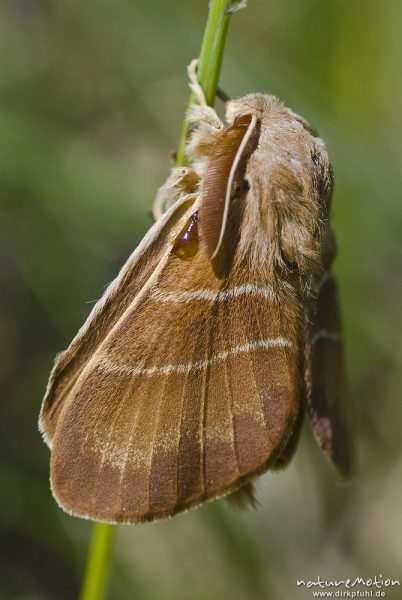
x,y
325,378
118,297
194,392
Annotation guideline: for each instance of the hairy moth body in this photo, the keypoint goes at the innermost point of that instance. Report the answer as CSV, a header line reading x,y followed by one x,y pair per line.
x,y
192,373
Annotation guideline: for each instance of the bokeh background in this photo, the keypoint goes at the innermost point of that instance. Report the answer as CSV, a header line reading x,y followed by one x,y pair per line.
x,y
92,99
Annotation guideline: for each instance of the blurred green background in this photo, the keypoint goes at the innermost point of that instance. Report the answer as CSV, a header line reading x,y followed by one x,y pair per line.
x,y
92,98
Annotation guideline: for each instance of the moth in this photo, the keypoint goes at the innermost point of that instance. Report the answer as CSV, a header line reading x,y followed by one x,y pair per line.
x,y
193,371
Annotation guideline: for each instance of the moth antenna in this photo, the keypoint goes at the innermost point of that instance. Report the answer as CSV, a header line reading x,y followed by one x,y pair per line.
x,y
194,82
218,181
222,95
244,497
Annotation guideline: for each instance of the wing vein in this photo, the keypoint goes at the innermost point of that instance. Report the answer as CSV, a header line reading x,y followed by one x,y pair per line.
x,y
254,376
209,344
158,421
231,402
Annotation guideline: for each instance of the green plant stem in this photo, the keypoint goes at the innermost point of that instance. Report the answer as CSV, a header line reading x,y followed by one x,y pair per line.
x,y
210,62
96,570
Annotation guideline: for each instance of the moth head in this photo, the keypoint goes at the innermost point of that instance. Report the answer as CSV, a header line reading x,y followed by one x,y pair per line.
x,y
303,122
265,107
257,105
290,185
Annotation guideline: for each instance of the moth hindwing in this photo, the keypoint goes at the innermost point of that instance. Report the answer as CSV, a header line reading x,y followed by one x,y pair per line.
x,y
186,380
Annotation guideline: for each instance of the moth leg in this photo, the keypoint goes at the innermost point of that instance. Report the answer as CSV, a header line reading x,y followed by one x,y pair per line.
x,y
196,87
205,126
206,129
183,181
194,82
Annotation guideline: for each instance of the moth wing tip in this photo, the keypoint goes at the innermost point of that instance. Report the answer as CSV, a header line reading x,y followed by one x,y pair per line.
x,y
73,512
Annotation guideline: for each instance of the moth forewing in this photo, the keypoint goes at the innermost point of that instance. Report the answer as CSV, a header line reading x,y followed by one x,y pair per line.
x,y
186,411
132,278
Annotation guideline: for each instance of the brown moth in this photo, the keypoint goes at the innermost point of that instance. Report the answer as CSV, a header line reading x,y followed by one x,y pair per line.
x,y
193,371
